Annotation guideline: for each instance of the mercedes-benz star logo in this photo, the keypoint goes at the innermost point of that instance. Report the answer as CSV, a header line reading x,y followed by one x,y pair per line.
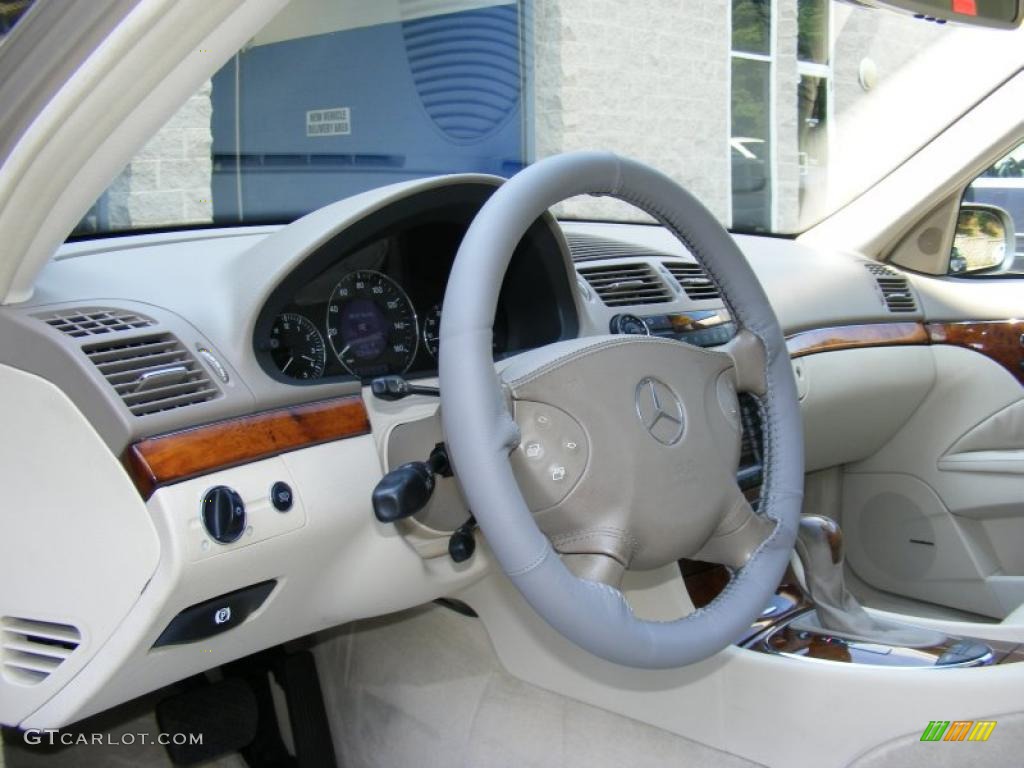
x,y
660,410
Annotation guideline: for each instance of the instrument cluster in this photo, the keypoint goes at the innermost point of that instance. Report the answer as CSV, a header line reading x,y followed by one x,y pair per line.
x,y
375,310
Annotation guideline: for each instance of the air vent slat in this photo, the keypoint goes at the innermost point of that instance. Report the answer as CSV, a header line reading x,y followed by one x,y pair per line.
x,y
693,280
590,247
170,391
30,650
126,351
45,629
31,661
23,676
127,381
622,285
58,652
152,373
166,404
895,289
139,363
622,279
93,321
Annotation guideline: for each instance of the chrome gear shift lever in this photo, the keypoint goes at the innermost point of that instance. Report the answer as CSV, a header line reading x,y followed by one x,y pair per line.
x,y
819,545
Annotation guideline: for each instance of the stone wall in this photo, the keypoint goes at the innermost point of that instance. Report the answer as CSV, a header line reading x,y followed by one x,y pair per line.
x,y
785,119
168,180
641,79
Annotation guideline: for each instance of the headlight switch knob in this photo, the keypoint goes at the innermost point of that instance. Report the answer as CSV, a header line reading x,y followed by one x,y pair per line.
x,y
223,513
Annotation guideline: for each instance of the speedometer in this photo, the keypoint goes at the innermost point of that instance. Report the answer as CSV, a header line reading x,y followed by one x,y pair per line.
x,y
372,325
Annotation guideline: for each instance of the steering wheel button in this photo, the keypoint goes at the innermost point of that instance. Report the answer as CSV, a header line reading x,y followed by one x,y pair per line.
x,y
543,420
534,450
558,473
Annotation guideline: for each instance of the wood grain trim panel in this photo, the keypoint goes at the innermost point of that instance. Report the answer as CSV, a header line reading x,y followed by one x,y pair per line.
x,y
1000,340
856,337
176,456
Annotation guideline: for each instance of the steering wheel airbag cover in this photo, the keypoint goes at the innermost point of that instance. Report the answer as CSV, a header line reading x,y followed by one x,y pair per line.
x,y
480,431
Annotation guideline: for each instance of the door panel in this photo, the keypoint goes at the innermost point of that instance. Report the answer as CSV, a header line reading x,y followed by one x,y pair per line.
x,y
938,513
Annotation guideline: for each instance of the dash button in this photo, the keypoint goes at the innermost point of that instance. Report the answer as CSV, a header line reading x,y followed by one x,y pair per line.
x,y
281,496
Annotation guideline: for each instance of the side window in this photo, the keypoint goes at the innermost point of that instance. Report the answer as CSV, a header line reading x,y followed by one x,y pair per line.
x,y
990,229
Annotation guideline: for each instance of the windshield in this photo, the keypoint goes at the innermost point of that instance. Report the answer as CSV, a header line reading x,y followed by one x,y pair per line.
x,y
773,112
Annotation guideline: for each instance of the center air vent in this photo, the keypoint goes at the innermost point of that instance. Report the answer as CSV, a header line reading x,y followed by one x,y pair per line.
x,y
30,651
896,292
152,373
693,279
620,285
94,321
585,247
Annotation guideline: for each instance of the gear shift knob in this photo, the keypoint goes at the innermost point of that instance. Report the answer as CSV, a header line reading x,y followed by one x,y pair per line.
x,y
819,545
821,538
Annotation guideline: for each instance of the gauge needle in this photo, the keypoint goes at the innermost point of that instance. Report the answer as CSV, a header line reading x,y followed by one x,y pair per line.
x,y
307,357
285,366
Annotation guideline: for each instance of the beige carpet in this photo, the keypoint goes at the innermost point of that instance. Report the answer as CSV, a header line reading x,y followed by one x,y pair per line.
x,y
420,689
424,688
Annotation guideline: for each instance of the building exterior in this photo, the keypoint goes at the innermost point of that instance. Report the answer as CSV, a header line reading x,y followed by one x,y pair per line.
x,y
254,142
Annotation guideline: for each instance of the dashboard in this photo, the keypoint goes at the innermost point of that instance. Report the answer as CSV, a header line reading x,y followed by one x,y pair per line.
x,y
368,302
253,378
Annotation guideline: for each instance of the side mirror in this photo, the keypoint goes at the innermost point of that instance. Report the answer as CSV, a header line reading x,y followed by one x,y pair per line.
x,y
984,239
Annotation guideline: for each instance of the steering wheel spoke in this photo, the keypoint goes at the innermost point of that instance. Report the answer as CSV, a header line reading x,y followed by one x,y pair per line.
x,y
749,362
738,535
594,566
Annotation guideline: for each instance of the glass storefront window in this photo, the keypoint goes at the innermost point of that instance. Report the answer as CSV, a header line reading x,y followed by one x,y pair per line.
x,y
751,26
751,146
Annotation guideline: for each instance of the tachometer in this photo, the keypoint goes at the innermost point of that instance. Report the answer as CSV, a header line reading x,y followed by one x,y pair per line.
x,y
297,348
432,330
372,325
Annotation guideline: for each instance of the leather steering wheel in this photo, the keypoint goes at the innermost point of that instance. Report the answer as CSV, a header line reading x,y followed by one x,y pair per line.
x,y
611,452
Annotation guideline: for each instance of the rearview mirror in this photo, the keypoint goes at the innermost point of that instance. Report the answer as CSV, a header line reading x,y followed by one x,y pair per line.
x,y
984,238
1001,14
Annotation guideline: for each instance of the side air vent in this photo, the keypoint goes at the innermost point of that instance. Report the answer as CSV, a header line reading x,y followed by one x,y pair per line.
x,y
152,373
895,289
30,651
693,279
94,321
620,285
